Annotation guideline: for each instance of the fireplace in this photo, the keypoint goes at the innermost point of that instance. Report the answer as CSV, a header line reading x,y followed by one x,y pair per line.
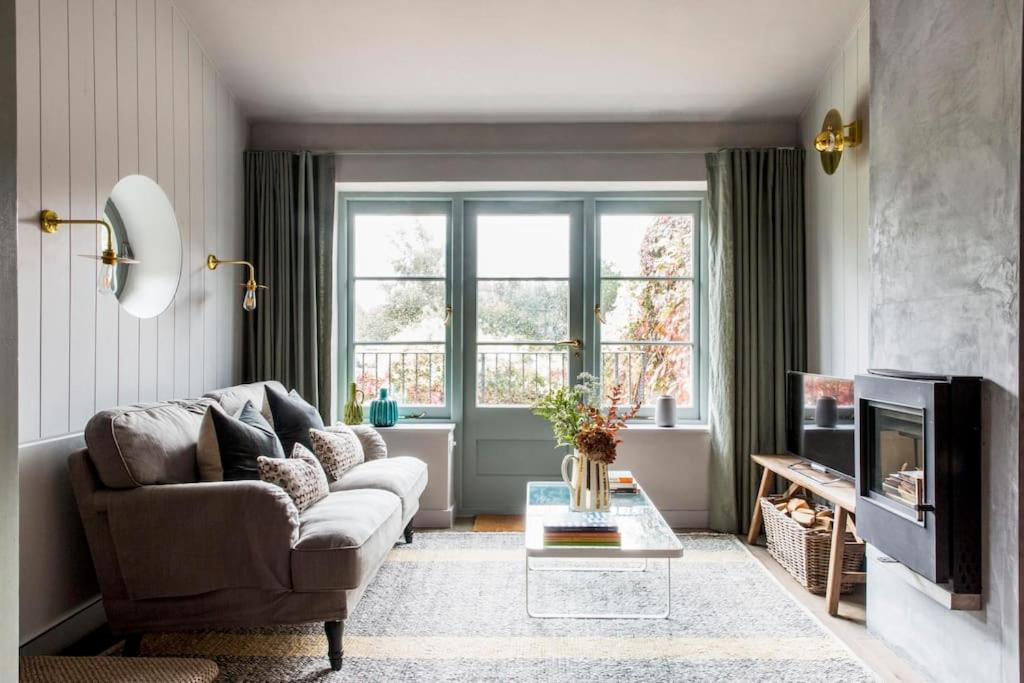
x,y
918,472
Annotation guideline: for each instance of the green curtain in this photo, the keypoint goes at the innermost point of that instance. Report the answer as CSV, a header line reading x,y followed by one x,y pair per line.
x,y
757,315
289,237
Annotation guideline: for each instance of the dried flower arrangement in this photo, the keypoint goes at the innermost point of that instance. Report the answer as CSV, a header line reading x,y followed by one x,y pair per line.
x,y
577,418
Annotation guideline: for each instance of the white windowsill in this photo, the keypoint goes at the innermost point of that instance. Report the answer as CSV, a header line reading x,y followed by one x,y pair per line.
x,y
680,427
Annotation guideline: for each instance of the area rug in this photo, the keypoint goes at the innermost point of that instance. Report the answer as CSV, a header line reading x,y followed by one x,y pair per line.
x,y
451,607
498,523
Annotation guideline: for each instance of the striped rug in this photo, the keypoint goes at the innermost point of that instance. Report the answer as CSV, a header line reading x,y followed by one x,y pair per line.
x,y
451,607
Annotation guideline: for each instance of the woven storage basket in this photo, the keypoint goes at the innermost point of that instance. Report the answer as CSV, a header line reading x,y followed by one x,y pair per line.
x,y
805,552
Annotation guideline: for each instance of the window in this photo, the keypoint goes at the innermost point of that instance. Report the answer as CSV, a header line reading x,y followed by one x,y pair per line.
x,y
399,312
550,286
648,311
522,306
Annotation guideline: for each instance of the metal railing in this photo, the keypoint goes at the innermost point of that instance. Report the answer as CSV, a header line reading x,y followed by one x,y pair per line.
x,y
503,377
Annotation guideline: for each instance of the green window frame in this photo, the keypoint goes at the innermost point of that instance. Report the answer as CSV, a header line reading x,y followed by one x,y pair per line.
x,y
593,206
387,363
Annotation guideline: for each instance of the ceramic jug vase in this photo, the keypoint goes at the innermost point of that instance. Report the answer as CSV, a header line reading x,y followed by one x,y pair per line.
x,y
353,412
588,482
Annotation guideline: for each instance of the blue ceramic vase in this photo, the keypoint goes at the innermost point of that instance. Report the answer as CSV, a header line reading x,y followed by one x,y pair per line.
x,y
383,410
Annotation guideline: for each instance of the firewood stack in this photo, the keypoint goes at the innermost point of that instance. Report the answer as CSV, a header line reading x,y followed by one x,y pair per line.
x,y
804,514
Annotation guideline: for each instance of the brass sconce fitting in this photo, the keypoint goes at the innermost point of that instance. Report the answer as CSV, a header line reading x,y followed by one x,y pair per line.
x,y
835,136
249,300
50,222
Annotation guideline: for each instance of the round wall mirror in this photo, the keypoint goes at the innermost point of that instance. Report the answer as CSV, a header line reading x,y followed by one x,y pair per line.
x,y
145,231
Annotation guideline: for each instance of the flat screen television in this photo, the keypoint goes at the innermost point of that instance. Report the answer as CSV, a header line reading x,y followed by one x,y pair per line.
x,y
827,446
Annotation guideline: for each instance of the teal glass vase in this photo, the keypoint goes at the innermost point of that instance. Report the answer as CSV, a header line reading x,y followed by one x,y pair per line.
x,y
383,410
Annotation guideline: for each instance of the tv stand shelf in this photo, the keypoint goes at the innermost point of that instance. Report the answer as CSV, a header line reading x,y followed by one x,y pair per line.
x,y
840,492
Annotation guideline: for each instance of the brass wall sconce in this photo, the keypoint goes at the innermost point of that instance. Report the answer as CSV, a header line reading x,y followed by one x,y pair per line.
x,y
833,139
249,300
50,222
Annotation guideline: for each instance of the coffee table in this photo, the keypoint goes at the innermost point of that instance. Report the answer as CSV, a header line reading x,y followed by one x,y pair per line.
x,y
646,539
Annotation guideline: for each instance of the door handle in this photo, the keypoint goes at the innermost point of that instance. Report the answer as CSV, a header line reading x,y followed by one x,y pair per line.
x,y
575,343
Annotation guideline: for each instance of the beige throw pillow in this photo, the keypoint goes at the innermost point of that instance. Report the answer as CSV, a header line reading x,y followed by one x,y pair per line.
x,y
300,475
338,450
374,447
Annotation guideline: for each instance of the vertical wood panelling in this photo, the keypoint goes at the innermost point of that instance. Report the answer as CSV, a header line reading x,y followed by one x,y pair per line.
x,y
197,299
210,285
105,57
165,177
29,201
82,100
127,164
145,22
836,205
182,316
135,94
55,253
121,87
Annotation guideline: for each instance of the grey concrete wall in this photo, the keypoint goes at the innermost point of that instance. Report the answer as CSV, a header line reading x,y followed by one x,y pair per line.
x,y
8,350
944,221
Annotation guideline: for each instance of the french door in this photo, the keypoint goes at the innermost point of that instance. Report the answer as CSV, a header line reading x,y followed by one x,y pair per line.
x,y
524,334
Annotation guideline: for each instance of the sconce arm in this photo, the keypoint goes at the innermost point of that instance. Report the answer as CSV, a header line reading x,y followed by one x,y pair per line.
x,y
212,262
49,221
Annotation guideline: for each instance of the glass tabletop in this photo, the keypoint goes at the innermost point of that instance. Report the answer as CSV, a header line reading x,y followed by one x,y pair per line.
x,y
643,530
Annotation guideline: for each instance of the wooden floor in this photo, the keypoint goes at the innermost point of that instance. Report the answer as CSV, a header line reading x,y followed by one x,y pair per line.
x,y
849,626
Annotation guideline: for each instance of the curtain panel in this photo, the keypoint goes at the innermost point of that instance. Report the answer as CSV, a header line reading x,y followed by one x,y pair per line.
x,y
757,315
289,237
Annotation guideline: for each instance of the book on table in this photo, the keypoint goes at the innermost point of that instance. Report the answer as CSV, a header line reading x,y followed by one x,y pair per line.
x,y
622,481
581,529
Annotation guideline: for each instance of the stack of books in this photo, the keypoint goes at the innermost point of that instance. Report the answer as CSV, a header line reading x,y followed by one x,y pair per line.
x,y
581,529
622,481
906,486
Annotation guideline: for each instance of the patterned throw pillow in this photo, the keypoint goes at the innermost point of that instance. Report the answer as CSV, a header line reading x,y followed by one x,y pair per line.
x,y
338,450
374,447
301,476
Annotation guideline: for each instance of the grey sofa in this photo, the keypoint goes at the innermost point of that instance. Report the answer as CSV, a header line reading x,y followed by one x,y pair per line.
x,y
172,553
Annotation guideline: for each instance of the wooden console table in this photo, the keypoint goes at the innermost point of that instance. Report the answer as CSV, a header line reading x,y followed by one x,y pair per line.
x,y
841,494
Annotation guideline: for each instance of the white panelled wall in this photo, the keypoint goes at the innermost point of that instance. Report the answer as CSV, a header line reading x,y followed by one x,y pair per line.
x,y
108,88
837,219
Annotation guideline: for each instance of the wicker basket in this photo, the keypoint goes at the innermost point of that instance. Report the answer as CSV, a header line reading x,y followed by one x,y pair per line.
x,y
805,552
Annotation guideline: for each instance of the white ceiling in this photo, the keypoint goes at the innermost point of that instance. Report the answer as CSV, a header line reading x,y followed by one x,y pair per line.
x,y
522,60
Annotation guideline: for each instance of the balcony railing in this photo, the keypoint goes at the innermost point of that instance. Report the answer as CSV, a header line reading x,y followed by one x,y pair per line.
x,y
503,377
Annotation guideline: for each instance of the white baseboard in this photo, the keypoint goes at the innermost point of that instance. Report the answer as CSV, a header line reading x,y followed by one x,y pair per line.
x,y
435,519
686,519
67,632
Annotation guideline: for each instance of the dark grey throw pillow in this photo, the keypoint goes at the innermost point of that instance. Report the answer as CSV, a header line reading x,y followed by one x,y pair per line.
x,y
229,446
293,418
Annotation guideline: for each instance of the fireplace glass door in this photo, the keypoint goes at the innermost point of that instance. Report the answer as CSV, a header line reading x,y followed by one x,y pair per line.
x,y
897,466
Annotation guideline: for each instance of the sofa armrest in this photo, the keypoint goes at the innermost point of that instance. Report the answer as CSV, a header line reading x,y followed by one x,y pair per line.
x,y
185,539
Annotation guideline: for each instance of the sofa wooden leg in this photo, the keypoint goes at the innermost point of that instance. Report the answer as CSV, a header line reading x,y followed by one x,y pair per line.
x,y
408,532
132,645
334,630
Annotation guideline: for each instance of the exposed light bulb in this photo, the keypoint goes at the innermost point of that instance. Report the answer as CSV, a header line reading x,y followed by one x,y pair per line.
x,y
249,301
107,282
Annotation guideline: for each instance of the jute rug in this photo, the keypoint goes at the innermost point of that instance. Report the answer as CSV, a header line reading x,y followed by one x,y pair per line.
x,y
451,607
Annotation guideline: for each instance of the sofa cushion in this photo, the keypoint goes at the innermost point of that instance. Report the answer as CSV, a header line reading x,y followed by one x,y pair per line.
x,y
293,418
403,476
229,445
301,476
231,399
337,449
146,444
343,538
374,447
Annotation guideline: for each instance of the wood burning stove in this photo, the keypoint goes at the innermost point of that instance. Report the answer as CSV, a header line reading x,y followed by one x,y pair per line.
x,y
918,472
